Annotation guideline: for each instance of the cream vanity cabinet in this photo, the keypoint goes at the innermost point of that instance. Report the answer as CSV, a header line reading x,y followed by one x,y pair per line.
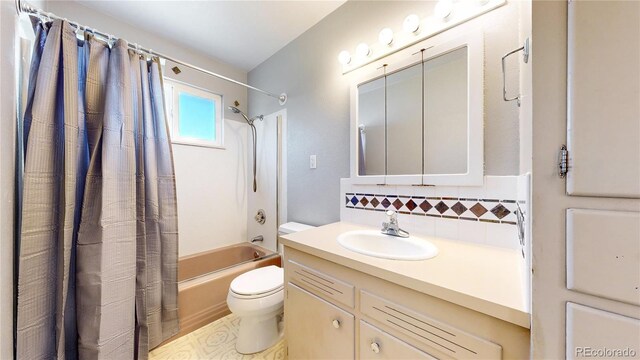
x,y
328,330
335,312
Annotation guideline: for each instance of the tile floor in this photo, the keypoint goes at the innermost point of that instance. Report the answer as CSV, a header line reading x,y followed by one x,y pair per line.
x,y
214,341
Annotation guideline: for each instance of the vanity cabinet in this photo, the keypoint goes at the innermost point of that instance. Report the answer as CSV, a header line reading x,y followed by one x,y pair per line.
x,y
377,344
335,312
323,330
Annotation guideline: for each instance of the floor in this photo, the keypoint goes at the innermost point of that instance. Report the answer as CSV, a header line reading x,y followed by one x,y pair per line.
x,y
214,341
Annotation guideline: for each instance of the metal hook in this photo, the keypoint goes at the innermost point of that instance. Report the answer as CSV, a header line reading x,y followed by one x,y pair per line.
x,y
138,51
525,58
77,26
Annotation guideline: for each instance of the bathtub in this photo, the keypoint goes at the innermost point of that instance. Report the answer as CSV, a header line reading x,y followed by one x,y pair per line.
x,y
204,279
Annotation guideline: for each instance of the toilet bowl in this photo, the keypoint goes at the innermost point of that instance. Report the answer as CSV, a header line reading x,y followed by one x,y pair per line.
x,y
257,298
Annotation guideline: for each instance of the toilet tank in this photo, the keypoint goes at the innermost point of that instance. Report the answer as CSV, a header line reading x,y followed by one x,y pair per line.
x,y
292,227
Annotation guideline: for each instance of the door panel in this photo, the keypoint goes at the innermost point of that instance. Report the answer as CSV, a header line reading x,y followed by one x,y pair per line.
x,y
603,104
590,329
602,246
311,320
585,94
376,344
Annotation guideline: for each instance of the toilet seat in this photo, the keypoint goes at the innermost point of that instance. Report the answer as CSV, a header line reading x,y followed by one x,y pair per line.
x,y
255,296
258,283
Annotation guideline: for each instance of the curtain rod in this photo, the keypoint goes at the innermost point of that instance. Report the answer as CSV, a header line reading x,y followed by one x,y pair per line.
x,y
23,7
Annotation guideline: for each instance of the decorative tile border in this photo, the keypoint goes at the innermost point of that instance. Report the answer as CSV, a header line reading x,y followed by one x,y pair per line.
x,y
485,210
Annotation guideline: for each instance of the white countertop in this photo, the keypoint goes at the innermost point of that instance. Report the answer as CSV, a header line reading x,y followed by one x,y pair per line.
x,y
482,278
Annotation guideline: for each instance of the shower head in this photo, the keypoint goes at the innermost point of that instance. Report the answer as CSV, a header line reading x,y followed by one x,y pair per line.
x,y
254,134
235,110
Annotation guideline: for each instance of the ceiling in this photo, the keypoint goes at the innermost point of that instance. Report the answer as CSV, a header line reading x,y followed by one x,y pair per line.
x,y
240,33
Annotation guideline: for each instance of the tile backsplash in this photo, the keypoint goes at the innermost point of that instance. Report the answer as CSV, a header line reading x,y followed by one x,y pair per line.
x,y
485,210
480,214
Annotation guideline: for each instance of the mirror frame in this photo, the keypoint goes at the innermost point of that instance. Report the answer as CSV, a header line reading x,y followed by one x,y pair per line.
x,y
433,47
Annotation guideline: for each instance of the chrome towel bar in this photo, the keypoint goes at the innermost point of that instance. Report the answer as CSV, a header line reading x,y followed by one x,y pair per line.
x,y
525,58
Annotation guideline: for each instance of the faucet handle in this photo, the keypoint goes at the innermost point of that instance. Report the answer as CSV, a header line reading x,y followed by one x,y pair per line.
x,y
393,216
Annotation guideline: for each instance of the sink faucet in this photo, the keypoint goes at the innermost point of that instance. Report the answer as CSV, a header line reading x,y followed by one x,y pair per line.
x,y
391,226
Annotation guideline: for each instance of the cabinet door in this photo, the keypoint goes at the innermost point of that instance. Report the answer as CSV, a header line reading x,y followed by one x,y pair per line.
x,y
377,344
317,329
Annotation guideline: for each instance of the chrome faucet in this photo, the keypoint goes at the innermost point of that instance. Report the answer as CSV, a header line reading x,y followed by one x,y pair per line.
x,y
257,238
391,226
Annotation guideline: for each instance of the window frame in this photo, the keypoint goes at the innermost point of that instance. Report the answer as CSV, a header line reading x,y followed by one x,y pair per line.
x,y
172,89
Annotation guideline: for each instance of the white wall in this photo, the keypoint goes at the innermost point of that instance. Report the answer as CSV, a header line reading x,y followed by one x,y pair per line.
x,y
86,16
265,197
211,191
318,107
212,197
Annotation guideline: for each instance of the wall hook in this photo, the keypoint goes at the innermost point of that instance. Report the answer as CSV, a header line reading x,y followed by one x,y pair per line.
x,y
525,57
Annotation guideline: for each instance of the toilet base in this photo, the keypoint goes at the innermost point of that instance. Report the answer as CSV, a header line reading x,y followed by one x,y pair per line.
x,y
258,333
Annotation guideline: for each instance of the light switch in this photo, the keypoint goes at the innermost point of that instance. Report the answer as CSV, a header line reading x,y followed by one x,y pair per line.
x,y
312,162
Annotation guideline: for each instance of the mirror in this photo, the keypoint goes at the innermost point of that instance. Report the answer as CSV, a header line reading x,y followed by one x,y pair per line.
x,y
445,113
421,122
371,128
404,121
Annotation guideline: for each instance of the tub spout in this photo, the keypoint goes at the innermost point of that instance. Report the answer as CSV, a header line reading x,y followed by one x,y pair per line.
x,y
257,238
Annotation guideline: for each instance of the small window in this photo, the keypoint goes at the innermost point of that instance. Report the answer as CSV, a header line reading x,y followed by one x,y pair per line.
x,y
195,115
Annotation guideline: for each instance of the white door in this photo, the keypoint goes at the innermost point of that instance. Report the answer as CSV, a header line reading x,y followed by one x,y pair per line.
x,y
586,227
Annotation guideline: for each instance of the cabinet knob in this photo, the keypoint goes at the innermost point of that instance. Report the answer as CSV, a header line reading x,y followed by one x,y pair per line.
x,y
375,347
336,323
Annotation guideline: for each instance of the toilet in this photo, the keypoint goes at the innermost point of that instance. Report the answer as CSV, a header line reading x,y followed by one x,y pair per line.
x,y
257,298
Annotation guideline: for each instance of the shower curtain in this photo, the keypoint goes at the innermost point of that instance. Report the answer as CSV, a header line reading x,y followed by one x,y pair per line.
x,y
98,245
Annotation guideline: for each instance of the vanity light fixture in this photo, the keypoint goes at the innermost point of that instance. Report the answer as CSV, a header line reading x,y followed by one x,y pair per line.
x,y
443,9
362,50
446,15
386,36
344,57
411,24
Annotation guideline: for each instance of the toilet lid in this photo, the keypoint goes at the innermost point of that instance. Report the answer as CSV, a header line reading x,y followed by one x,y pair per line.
x,y
258,281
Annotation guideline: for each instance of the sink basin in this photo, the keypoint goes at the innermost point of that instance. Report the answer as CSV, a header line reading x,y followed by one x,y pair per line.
x,y
374,243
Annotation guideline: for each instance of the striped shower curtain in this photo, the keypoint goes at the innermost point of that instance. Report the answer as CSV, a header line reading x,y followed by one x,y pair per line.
x,y
98,244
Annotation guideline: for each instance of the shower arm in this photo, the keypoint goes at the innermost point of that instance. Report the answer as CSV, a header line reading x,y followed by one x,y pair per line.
x,y
26,8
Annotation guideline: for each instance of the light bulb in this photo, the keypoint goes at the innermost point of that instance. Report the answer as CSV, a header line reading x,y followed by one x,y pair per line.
x,y
386,36
344,57
443,9
411,23
362,50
